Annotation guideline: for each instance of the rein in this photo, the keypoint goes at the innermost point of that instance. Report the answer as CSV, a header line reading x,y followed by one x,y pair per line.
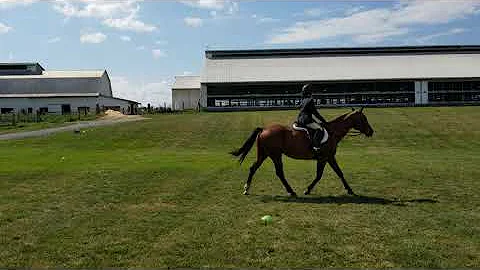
x,y
354,133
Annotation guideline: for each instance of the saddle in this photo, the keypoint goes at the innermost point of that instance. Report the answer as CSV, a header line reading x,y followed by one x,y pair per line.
x,y
311,132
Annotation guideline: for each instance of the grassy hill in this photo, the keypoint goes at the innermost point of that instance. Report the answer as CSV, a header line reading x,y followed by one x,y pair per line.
x,y
165,192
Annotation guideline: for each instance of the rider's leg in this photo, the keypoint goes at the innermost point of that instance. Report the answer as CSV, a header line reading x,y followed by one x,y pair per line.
x,y
315,136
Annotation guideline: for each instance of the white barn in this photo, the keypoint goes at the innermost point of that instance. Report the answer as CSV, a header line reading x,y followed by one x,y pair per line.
x,y
368,76
186,92
28,88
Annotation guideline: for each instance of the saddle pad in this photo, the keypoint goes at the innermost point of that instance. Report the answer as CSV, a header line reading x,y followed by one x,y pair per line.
x,y
325,133
299,128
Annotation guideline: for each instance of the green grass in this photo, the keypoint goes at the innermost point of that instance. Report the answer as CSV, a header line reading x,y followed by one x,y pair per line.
x,y
164,192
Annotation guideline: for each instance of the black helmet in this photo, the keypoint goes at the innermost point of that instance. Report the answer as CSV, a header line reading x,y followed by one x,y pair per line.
x,y
307,90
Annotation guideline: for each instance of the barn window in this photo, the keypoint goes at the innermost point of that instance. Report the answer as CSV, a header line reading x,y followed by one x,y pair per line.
x,y
6,110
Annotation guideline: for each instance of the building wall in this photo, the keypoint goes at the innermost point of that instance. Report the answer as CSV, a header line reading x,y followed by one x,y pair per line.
x,y
185,98
348,68
105,85
54,105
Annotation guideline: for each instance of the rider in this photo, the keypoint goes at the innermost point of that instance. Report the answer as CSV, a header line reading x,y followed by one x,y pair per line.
x,y
305,117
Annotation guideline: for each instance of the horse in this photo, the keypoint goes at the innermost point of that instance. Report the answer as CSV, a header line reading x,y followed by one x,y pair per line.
x,y
276,140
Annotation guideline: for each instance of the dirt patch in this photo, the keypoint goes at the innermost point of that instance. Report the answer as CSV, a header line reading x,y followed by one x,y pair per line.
x,y
113,115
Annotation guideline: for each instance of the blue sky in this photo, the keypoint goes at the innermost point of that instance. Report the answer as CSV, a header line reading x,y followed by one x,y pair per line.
x,y
144,44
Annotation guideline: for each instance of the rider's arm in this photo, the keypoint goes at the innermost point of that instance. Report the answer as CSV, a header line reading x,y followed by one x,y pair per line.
x,y
315,112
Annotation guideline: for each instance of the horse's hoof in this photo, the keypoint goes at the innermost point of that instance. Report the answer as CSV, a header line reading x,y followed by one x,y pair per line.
x,y
306,192
245,193
350,192
292,195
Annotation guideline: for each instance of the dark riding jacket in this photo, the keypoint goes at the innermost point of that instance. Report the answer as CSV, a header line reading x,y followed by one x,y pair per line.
x,y
307,109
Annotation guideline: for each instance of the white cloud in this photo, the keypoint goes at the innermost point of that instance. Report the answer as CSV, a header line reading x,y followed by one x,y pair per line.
x,y
155,93
433,11
353,10
121,15
96,9
140,48
187,73
129,23
4,28
450,32
93,37
161,42
157,53
232,8
193,21
314,12
54,40
206,4
261,19
375,25
4,4
126,38
228,7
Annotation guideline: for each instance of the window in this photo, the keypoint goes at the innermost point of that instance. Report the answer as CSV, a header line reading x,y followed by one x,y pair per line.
x,y
66,109
6,110
83,110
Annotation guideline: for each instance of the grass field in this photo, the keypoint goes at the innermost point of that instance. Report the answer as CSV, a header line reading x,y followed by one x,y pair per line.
x,y
164,192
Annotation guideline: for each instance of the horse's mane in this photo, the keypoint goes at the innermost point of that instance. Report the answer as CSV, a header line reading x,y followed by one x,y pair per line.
x,y
341,118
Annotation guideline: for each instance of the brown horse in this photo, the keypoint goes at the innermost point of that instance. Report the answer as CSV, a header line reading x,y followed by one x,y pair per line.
x,y
275,140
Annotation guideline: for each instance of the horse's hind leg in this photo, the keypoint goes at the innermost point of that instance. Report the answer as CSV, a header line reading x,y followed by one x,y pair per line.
x,y
277,160
260,158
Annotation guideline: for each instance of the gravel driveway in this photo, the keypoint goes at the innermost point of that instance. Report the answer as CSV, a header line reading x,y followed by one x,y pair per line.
x,y
80,125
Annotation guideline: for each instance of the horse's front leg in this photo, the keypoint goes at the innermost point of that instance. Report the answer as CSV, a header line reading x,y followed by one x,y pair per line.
x,y
333,163
320,167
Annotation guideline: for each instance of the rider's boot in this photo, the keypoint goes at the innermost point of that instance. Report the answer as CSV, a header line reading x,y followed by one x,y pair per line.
x,y
316,142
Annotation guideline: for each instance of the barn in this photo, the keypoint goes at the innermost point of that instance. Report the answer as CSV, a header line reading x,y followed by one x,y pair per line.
x,y
29,88
367,76
186,92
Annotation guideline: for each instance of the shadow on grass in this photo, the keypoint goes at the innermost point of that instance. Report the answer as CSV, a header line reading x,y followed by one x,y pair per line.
x,y
343,199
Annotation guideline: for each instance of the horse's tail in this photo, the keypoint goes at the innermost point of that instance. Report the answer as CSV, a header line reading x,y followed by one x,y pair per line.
x,y
243,151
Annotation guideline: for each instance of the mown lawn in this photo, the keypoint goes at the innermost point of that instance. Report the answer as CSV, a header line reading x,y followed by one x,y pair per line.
x,y
164,192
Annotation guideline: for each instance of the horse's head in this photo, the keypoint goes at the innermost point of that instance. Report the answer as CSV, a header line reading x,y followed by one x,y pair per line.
x,y
360,123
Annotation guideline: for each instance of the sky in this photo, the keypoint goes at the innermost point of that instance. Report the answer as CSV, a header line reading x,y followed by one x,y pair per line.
x,y
144,44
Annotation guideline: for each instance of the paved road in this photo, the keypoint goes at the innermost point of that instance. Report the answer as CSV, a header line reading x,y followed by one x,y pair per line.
x,y
79,125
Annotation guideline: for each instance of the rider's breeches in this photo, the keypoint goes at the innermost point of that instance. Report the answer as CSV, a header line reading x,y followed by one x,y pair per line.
x,y
314,126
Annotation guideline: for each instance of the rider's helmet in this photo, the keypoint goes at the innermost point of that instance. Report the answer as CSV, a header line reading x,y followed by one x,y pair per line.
x,y
307,90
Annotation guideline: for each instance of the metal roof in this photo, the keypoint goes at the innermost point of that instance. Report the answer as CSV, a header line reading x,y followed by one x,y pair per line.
x,y
342,68
128,100
59,74
186,82
309,52
23,64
